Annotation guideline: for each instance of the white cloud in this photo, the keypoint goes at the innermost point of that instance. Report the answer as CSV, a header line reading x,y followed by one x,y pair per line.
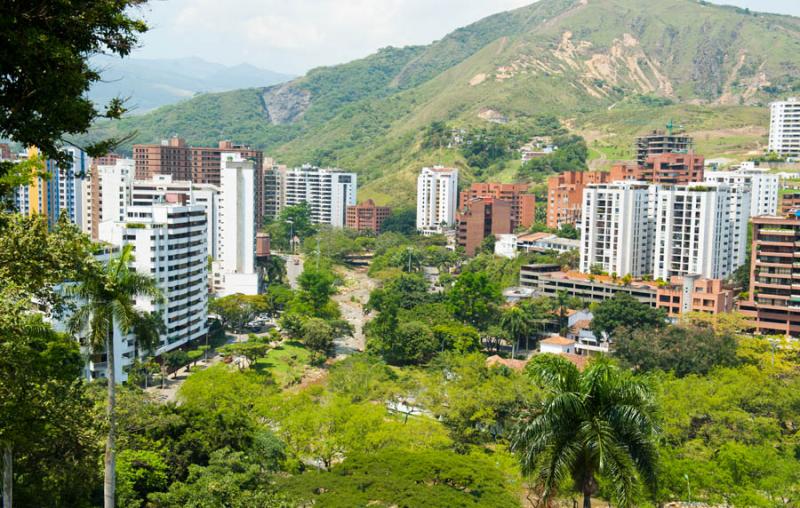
x,y
295,35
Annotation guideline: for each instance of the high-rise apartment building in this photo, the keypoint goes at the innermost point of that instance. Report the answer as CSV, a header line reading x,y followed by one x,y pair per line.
x,y
273,188
169,244
617,228
699,229
194,163
235,271
774,303
764,187
663,168
784,127
437,194
328,192
61,192
565,196
481,217
367,216
523,203
658,142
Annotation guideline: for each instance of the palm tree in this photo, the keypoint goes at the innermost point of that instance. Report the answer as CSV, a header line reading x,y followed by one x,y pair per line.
x,y
517,325
597,423
107,294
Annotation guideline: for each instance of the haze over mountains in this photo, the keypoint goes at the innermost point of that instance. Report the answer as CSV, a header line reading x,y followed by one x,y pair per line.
x,y
608,69
152,83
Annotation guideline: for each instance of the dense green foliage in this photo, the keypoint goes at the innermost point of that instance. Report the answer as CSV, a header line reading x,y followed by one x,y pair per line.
x,y
570,155
624,311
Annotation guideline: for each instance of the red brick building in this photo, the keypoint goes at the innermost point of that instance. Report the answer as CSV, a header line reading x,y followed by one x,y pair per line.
x,y
523,203
479,218
565,195
195,164
663,168
774,303
367,216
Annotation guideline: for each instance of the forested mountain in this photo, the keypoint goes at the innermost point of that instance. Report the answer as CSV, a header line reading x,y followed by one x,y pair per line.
x,y
606,69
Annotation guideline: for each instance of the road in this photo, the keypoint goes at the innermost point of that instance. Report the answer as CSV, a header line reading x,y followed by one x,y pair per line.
x,y
352,297
293,270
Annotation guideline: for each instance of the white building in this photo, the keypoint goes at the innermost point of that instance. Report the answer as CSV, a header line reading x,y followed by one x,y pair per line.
x,y
784,127
557,345
617,228
235,270
328,192
764,186
169,244
700,229
437,199
506,246
115,184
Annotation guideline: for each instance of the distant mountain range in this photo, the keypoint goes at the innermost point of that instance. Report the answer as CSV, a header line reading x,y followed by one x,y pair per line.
x,y
152,83
607,69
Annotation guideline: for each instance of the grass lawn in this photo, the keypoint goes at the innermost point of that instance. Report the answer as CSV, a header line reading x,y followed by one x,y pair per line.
x,y
286,363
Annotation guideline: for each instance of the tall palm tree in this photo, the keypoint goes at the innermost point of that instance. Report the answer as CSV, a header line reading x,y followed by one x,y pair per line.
x,y
107,296
590,424
517,325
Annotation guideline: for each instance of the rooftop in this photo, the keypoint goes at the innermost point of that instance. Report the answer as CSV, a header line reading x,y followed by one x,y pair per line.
x,y
557,340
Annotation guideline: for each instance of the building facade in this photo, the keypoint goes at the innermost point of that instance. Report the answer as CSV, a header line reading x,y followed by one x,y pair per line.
x,y
764,187
784,127
565,195
437,195
194,163
700,229
328,192
774,303
523,203
658,142
479,218
169,244
617,229
367,216
235,270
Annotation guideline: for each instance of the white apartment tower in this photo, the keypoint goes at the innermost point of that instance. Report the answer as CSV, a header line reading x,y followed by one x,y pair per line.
x,y
437,199
235,270
114,188
784,127
617,228
328,192
169,243
700,229
764,186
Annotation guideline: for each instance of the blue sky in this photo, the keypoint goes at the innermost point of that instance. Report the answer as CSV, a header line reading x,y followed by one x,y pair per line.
x,y
295,35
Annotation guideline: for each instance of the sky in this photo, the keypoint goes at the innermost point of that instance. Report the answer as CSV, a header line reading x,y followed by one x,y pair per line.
x,y
293,36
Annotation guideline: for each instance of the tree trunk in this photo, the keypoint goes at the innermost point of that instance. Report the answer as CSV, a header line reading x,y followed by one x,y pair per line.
x,y
587,500
8,475
109,479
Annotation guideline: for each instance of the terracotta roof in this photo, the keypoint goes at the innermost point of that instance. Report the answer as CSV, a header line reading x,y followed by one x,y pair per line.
x,y
582,324
557,340
532,237
508,362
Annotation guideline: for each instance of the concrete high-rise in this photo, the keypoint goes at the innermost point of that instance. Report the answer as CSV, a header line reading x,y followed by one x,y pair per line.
x,y
235,271
437,195
699,229
658,142
784,127
328,192
169,244
764,187
617,228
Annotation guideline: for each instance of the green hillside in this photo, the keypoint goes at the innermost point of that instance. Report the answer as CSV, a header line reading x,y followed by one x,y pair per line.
x,y
607,69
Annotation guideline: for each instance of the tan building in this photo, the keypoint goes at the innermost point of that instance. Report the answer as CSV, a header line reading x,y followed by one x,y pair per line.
x,y
789,201
479,218
694,294
774,303
523,203
565,195
680,295
195,164
367,216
